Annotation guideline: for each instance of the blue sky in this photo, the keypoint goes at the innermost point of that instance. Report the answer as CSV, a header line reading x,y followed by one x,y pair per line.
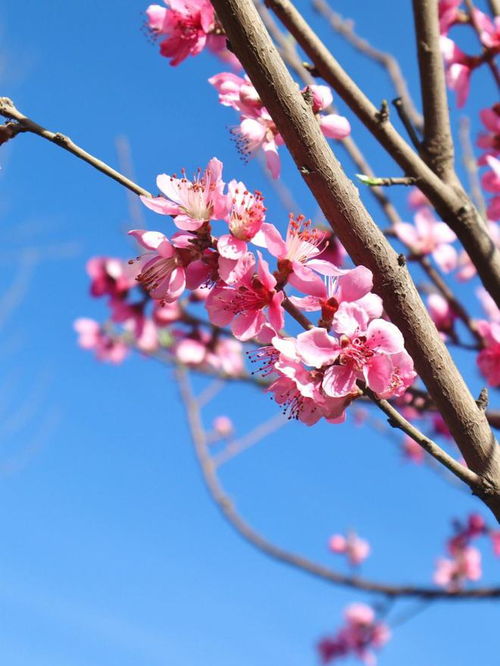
x,y
112,552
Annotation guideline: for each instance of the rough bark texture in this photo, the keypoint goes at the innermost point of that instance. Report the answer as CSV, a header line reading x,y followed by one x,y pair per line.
x,y
437,147
366,244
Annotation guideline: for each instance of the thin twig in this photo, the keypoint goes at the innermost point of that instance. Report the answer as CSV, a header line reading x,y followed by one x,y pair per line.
x,y
405,119
228,510
470,163
437,146
345,27
255,436
288,50
385,182
397,420
8,110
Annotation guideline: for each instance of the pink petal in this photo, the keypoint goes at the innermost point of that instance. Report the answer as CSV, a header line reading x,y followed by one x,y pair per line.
x,y
382,336
339,381
317,348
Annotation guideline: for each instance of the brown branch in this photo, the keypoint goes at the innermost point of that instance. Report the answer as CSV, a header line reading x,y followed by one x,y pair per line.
x,y
345,28
8,110
227,507
452,204
447,293
495,7
470,164
437,146
397,420
366,244
288,51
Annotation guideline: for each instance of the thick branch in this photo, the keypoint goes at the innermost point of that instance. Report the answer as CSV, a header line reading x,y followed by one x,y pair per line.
x,y
437,146
452,205
228,510
366,244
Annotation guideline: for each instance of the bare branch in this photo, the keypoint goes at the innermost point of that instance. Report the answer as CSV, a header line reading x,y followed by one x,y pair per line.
x,y
345,28
397,420
8,110
470,164
228,510
437,146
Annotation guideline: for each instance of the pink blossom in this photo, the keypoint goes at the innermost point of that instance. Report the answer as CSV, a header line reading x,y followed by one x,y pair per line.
x,y
161,270
246,213
452,573
448,14
355,548
223,426
237,92
109,276
191,203
495,540
489,30
186,25
361,633
417,199
92,336
166,313
458,69
429,236
257,129
297,255
362,352
488,359
412,450
441,313
490,140
242,305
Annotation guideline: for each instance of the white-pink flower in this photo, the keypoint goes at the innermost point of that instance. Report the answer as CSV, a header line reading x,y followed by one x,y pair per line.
x,y
429,236
186,25
191,203
243,304
352,546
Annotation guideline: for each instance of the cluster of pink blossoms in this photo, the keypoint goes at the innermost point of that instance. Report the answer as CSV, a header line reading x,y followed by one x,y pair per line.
x,y
315,374
186,27
459,65
352,546
151,326
361,634
257,129
464,562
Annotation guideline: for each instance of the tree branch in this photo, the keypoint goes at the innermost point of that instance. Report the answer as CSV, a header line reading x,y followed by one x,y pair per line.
x,y
346,29
366,244
227,508
8,110
437,146
452,205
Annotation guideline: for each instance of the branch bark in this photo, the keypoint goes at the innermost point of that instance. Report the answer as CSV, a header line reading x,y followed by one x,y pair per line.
x,y
228,510
366,244
452,204
437,146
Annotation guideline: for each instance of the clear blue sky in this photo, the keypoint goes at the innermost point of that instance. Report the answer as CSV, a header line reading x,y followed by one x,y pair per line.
x,y
112,554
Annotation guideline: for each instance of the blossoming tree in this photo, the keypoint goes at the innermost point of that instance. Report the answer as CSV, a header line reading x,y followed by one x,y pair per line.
x,y
350,318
